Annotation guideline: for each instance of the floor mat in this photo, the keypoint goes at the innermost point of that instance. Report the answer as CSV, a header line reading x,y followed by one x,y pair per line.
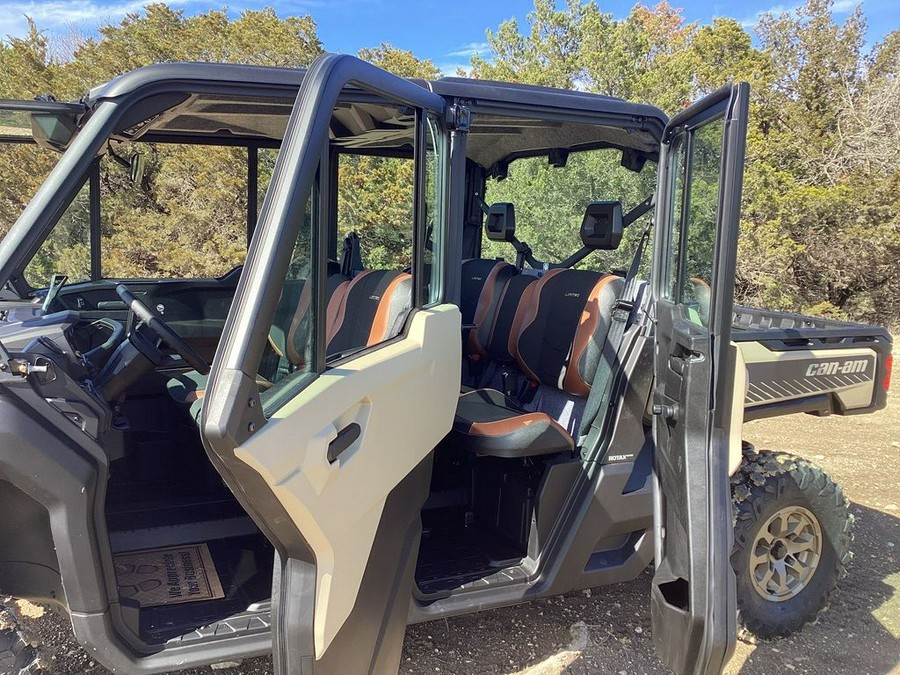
x,y
168,576
449,559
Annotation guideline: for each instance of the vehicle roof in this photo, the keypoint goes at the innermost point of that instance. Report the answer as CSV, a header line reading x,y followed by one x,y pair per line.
x,y
256,101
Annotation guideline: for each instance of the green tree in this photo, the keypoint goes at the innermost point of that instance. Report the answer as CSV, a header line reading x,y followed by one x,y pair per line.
x,y
188,217
819,223
26,71
400,62
161,33
375,194
547,56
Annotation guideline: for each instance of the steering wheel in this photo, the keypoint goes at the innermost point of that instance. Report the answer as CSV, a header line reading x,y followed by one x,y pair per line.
x,y
152,320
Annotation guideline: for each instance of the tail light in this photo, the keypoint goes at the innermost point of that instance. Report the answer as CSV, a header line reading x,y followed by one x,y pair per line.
x,y
889,366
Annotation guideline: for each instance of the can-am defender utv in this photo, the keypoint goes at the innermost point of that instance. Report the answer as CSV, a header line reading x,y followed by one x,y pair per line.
x,y
342,435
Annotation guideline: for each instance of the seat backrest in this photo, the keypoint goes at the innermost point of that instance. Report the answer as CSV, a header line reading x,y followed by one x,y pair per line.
x,y
483,284
496,339
292,312
561,326
372,308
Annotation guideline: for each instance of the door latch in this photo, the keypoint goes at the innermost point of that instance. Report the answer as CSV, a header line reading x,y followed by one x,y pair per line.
x,y
345,438
22,368
668,412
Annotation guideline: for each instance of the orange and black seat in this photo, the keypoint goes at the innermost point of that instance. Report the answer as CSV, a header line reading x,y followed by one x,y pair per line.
x,y
372,309
359,313
483,289
557,338
287,341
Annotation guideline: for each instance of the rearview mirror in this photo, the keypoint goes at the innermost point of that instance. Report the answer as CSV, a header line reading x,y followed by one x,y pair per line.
x,y
501,222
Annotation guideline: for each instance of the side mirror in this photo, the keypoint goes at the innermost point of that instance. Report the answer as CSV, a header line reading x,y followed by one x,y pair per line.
x,y
136,165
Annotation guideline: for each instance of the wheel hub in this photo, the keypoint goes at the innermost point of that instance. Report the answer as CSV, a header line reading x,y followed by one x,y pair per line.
x,y
786,553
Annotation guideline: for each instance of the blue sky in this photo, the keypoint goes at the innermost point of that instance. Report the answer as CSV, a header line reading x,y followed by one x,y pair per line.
x,y
446,32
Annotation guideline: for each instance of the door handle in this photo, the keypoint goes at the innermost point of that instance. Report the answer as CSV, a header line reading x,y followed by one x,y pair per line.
x,y
344,439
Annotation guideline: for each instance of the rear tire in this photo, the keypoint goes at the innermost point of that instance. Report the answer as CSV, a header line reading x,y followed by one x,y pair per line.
x,y
792,537
16,655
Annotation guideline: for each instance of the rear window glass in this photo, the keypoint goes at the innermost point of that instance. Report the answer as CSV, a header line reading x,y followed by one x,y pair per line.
x,y
550,203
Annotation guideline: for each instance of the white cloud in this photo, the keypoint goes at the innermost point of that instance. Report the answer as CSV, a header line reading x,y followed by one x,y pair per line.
x,y
449,69
838,7
751,21
844,6
471,49
58,14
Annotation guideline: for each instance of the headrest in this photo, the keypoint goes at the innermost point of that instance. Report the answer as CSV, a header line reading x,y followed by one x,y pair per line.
x,y
501,222
601,227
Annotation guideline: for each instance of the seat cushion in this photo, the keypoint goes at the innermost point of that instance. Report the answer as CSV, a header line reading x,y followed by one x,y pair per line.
x,y
487,423
188,388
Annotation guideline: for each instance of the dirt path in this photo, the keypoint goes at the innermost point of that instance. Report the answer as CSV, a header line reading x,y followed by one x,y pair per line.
x,y
607,630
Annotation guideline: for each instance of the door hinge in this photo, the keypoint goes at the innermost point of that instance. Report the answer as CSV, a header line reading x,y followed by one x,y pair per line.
x,y
458,117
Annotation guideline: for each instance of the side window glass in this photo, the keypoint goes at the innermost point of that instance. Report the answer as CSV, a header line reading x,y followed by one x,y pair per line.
x,y
289,356
375,200
676,175
367,294
67,250
435,203
694,219
265,165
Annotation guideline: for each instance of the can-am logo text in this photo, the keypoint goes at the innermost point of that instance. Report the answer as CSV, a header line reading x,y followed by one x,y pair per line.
x,y
837,368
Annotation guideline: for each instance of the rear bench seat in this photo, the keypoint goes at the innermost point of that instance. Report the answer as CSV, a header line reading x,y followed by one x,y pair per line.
x,y
537,342
557,338
490,296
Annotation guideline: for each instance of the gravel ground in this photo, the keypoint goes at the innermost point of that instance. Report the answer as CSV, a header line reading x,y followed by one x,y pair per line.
x,y
607,630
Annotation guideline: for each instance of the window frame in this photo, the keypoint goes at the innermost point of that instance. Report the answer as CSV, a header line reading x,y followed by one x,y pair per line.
x,y
674,279
325,240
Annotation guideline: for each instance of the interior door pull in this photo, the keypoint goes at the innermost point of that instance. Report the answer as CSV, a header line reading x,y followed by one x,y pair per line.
x,y
344,439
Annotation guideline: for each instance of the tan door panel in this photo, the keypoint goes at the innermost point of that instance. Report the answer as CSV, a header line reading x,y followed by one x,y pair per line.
x,y
403,396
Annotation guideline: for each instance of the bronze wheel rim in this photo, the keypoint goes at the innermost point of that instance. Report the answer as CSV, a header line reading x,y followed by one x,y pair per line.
x,y
786,553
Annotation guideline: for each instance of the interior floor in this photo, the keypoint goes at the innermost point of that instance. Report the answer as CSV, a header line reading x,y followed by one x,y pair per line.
x,y
477,519
164,493
452,557
244,568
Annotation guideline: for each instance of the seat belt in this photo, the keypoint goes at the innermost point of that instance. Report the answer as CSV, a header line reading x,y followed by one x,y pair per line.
x,y
351,259
602,383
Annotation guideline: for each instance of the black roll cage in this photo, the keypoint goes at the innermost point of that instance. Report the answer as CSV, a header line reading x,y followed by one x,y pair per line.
x,y
111,108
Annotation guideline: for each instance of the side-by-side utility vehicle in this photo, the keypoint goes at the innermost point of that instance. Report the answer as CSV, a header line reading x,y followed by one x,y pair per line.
x,y
346,411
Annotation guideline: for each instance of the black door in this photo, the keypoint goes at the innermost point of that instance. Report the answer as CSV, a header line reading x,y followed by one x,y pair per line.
x,y
693,593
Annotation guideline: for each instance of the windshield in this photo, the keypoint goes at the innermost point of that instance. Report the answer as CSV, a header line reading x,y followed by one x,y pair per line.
x,y
182,214
23,167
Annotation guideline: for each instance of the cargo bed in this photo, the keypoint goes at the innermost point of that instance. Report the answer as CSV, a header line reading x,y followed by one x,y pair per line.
x,y
798,363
